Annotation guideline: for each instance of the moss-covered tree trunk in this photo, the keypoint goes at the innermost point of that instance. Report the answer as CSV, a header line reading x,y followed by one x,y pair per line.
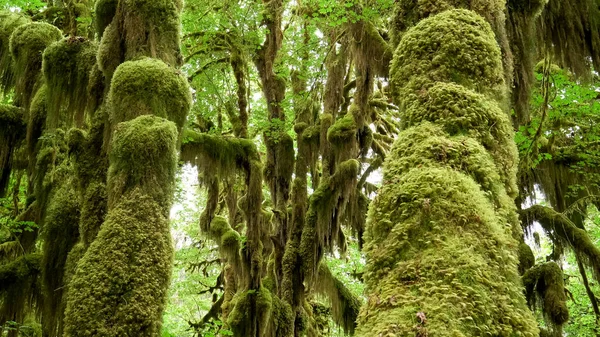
x,y
442,234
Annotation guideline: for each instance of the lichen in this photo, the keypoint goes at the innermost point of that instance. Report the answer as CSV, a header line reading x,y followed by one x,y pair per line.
x,y
149,87
66,66
27,44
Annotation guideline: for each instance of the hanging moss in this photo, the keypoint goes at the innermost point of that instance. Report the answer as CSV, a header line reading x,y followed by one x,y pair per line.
x,y
104,11
12,131
435,246
120,286
322,228
544,288
66,66
9,21
344,304
27,44
145,139
37,119
18,288
467,54
60,233
572,30
149,87
217,156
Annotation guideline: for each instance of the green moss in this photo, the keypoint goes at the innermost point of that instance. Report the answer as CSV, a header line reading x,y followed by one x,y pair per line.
x,y
217,156
93,212
9,21
342,131
27,43
526,258
230,245
257,303
38,111
135,144
121,283
149,87
18,287
464,112
66,66
12,131
322,229
110,54
141,28
344,304
466,53
544,288
434,245
104,11
60,233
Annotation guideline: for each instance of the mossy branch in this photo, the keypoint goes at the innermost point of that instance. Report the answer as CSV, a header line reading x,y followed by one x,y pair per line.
x,y
344,304
567,232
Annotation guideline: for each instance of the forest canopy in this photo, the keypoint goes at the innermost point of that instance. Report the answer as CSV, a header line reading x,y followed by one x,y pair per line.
x,y
306,168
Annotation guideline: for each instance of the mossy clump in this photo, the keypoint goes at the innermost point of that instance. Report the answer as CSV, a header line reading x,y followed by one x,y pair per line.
x,y
465,53
93,212
27,43
526,258
66,66
143,155
110,55
464,112
255,302
120,286
149,87
342,131
435,246
545,288
9,21
104,11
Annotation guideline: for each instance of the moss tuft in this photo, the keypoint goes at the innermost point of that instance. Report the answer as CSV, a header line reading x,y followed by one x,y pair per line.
x,y
145,139
66,66
526,258
27,43
149,87
466,53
